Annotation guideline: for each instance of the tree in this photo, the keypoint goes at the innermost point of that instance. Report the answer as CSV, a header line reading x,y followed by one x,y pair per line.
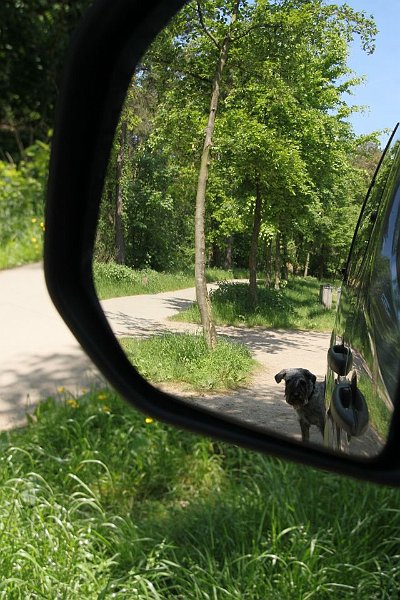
x,y
253,92
33,43
202,297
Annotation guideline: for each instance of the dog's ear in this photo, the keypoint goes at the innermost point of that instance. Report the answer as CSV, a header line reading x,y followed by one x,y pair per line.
x,y
309,375
281,375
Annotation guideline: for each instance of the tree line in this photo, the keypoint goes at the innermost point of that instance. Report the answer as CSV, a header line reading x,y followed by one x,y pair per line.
x,y
34,37
234,147
234,143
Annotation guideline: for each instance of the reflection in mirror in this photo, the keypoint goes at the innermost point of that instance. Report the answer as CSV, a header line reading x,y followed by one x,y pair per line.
x,y
223,186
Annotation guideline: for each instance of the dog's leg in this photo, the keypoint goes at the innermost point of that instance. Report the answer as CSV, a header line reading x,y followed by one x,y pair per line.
x,y
305,430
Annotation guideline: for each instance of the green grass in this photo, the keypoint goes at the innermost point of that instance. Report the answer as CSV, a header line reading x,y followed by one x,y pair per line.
x,y
25,249
112,280
96,503
184,358
294,307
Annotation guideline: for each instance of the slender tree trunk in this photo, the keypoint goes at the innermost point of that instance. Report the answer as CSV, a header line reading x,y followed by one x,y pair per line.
x,y
119,204
228,253
277,260
254,245
202,297
268,264
321,265
285,269
19,143
307,264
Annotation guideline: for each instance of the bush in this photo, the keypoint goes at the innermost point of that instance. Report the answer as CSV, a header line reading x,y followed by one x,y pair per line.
x,y
22,193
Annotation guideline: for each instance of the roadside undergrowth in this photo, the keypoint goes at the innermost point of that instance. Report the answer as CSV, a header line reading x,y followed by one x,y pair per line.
x,y
98,501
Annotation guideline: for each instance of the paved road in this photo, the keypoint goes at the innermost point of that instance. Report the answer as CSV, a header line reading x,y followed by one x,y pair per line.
x,y
38,354
262,404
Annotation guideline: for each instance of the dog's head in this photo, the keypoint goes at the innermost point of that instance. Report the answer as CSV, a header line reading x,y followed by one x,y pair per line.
x,y
299,385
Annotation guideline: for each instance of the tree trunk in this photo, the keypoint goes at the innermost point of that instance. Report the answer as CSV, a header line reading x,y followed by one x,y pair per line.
x,y
228,253
202,297
321,262
119,204
277,260
268,264
254,246
307,264
285,269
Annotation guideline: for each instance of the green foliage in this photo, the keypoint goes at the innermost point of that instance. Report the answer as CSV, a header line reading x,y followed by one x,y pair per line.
x,y
95,501
25,248
232,301
185,358
281,126
33,43
22,192
294,306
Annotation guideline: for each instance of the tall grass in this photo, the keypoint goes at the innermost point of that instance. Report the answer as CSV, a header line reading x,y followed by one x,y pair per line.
x,y
185,358
96,501
295,306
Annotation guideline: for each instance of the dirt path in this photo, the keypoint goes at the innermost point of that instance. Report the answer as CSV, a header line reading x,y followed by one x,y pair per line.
x,y
263,402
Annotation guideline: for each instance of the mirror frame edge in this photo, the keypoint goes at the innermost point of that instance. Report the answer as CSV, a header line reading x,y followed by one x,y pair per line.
x,y
105,50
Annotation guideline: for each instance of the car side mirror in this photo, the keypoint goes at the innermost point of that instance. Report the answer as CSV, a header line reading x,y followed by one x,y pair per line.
x,y
107,47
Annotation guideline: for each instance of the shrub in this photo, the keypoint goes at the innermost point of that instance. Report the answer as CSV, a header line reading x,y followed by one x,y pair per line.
x,y
22,193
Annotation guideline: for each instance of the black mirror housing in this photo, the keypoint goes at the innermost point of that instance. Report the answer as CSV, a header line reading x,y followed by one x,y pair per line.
x,y
112,37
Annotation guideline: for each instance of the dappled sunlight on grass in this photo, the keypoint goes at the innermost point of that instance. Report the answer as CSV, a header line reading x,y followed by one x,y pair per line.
x,y
295,306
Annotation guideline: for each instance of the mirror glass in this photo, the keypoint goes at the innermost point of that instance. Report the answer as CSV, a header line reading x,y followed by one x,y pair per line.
x,y
232,194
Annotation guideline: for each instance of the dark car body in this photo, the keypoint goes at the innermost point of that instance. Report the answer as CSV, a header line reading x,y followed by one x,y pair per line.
x,y
363,360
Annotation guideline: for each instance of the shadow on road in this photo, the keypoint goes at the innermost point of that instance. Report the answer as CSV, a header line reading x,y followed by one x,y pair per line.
x,y
40,376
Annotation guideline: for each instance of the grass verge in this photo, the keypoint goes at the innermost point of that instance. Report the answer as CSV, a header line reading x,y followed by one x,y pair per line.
x,y
98,502
21,251
112,280
185,358
294,307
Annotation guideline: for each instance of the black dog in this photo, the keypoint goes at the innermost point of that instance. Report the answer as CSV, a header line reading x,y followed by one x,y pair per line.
x,y
307,398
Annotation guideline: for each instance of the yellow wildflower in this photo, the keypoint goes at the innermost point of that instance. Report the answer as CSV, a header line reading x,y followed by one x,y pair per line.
x,y
106,409
34,240
61,389
42,225
34,220
83,391
101,396
148,420
72,403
